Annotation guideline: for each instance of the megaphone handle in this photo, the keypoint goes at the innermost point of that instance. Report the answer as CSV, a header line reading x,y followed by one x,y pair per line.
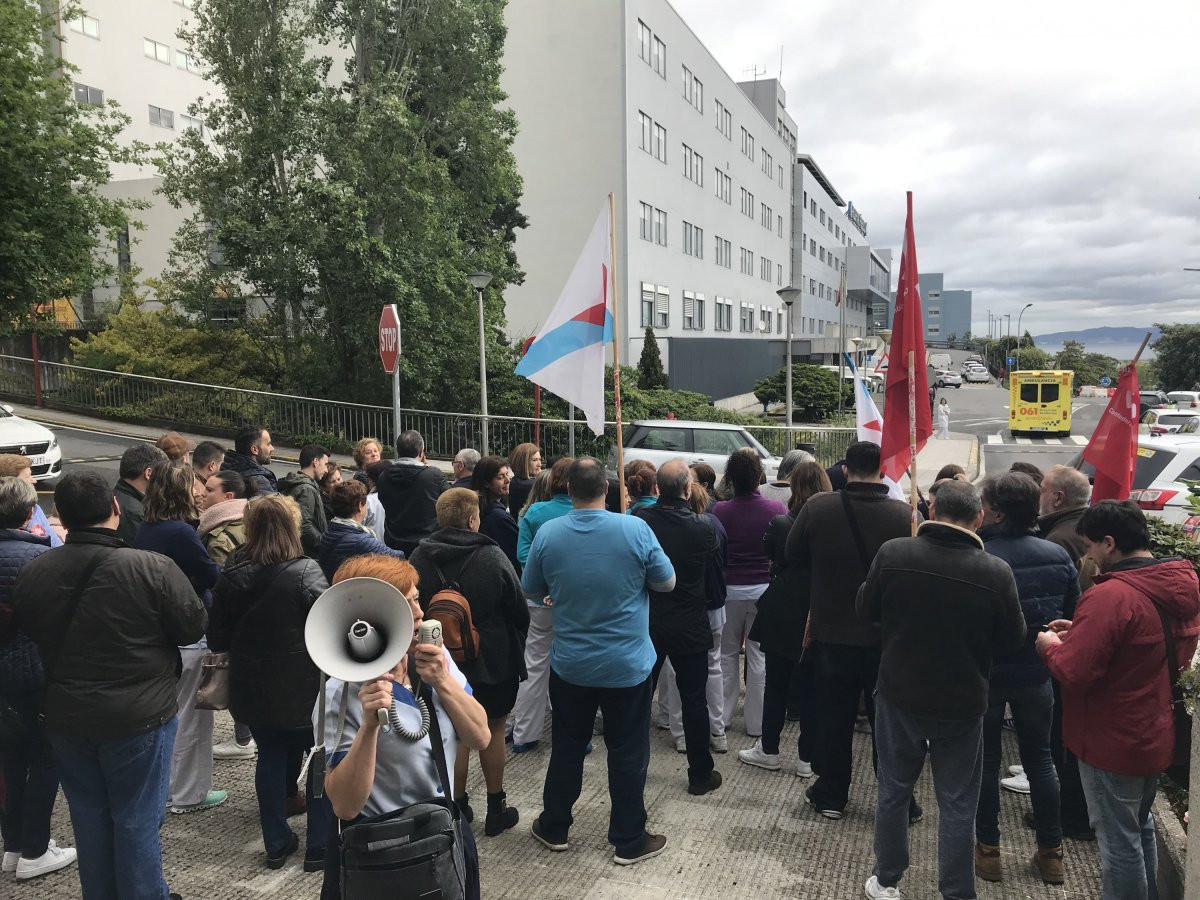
x,y
385,723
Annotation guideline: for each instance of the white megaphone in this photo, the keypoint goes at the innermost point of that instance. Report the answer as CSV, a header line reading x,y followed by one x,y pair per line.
x,y
358,630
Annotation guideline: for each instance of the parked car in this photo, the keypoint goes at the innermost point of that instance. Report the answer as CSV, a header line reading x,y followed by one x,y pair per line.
x,y
946,378
30,439
1153,400
1168,421
1185,399
1163,464
659,440
976,374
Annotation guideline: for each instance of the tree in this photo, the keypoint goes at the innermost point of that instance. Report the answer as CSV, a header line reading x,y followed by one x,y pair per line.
x,y
1177,356
332,188
1089,368
55,154
814,389
650,367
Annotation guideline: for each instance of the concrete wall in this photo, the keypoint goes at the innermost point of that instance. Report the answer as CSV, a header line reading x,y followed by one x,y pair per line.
x,y
742,363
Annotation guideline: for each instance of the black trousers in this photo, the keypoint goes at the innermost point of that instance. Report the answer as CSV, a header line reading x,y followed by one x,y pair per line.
x,y
1072,802
789,685
843,675
691,677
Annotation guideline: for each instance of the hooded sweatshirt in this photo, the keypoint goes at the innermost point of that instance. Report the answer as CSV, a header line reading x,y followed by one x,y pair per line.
x,y
222,530
1112,664
304,489
489,582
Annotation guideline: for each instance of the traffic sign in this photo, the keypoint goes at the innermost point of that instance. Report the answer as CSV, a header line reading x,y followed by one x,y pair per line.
x,y
1011,361
389,338
1105,381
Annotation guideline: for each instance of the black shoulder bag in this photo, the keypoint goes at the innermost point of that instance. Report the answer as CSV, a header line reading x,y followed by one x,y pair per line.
x,y
411,853
856,532
1182,719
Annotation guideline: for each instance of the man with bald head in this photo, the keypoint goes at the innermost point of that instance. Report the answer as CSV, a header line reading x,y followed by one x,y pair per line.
x,y
1065,493
678,618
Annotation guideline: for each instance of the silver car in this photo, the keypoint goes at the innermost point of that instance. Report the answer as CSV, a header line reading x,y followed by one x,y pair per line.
x,y
659,440
946,378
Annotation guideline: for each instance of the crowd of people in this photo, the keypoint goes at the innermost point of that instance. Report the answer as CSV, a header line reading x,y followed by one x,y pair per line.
x,y
813,597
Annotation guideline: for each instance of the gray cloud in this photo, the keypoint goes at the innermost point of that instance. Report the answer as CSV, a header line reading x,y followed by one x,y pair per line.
x,y
1053,149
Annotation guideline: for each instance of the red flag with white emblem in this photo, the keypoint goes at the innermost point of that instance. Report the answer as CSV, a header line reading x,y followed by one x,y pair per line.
x,y
1113,447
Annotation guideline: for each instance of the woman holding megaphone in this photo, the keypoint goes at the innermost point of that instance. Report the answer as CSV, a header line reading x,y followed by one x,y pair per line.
x,y
374,776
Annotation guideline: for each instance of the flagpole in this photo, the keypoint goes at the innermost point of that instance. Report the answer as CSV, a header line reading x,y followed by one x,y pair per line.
x,y
842,337
912,438
616,306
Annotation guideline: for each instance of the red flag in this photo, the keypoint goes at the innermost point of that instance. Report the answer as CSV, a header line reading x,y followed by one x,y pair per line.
x,y
1113,447
907,334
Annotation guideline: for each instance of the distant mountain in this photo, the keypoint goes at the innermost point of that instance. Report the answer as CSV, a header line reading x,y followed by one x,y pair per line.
x,y
1105,335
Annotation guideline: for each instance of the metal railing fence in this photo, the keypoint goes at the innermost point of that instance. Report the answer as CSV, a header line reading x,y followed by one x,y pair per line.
x,y
294,420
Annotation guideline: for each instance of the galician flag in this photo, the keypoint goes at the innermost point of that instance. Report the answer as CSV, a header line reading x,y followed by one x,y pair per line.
x,y
567,356
868,422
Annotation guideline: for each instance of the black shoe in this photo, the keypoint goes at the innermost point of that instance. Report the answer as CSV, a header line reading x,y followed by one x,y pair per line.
x,y
915,813
464,808
276,862
711,783
297,804
655,844
827,811
1075,834
314,859
500,816
174,897
536,830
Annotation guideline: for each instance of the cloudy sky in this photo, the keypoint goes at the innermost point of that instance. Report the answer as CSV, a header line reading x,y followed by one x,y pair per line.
x,y
1052,146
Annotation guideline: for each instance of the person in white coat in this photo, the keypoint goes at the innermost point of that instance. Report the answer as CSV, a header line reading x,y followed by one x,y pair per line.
x,y
943,420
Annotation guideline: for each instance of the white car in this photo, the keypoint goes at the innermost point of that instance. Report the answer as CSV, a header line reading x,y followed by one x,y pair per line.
x,y
946,378
977,374
1167,421
659,440
1185,399
1163,464
25,438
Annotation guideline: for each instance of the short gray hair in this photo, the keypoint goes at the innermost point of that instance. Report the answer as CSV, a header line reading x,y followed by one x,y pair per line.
x,y
790,460
673,480
468,457
1076,488
17,498
957,502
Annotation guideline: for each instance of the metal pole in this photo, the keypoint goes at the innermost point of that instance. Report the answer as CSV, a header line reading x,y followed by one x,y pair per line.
x,y
396,426
483,404
571,432
788,428
1021,313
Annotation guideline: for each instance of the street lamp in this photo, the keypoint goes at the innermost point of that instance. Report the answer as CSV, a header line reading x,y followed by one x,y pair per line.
x,y
480,280
857,342
1021,313
789,295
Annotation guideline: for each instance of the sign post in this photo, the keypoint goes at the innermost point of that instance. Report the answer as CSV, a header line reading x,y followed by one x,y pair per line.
x,y
389,355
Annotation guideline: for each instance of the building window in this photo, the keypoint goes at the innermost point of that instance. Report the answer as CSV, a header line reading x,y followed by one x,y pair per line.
x,y
724,186
693,311
191,122
647,139
688,84
822,217
163,118
724,121
779,225
747,204
662,307
812,286
812,247
188,61
646,222
698,95
190,4
647,305
724,315
747,262
660,227
779,275
935,311
765,268
933,329
155,50
748,144
88,25
780,176
779,322
724,252
88,96
660,143
693,166
644,39
766,318
768,164
658,57
746,318
766,216
693,240
821,255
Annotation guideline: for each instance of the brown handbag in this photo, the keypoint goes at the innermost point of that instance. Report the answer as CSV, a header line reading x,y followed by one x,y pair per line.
x,y
213,691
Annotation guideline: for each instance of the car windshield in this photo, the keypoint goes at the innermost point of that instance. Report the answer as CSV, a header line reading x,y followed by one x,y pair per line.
x,y
5,414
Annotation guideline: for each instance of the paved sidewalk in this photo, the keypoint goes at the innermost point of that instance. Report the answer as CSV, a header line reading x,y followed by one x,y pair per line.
x,y
754,838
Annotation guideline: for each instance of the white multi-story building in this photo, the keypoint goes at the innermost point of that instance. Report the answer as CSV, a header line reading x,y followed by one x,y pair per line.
x,y
129,52
621,96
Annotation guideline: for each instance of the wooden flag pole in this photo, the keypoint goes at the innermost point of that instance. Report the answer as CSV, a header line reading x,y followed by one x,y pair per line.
x,y
616,306
912,439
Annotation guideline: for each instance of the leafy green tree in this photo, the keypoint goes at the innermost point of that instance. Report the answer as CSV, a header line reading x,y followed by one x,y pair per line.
x,y
650,367
814,389
1177,356
55,155
1089,368
334,187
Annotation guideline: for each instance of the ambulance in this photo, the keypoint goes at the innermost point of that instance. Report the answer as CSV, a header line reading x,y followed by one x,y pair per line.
x,y
1040,403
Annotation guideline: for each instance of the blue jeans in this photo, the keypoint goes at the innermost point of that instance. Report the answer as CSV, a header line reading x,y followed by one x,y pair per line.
x,y
280,755
117,793
1120,810
1033,712
32,783
627,737
954,749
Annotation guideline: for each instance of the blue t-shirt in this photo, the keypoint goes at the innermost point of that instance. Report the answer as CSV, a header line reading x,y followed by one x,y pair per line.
x,y
596,566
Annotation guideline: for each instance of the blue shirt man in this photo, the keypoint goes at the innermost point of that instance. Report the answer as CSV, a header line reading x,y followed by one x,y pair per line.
x,y
597,569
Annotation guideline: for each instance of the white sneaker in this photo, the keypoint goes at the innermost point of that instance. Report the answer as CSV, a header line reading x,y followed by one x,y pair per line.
x,y
804,769
1016,770
234,750
10,862
681,744
877,891
756,756
1018,784
52,860
719,743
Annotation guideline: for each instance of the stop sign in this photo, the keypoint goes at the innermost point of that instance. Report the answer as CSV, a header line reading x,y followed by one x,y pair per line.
x,y
389,338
